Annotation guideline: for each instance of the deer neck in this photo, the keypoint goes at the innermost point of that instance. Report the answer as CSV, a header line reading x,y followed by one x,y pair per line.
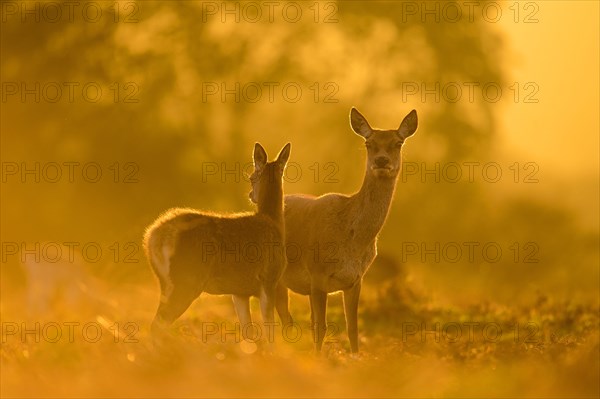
x,y
270,202
371,205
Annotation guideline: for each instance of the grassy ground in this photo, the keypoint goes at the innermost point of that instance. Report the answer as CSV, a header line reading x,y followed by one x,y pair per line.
x,y
410,348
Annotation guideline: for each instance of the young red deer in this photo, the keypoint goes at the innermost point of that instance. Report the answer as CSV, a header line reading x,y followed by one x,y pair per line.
x,y
343,230
193,252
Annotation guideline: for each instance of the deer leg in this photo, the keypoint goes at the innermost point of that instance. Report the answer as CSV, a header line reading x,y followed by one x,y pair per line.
x,y
242,309
282,305
318,300
267,308
312,318
351,297
173,306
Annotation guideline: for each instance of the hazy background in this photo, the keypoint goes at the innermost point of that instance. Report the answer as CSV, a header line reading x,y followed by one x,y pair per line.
x,y
179,107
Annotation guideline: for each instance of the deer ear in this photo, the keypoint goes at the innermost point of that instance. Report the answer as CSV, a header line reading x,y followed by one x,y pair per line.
x,y
359,124
260,156
409,125
284,155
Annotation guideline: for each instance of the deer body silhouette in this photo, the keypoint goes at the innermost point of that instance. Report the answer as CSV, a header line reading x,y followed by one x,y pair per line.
x,y
193,252
335,235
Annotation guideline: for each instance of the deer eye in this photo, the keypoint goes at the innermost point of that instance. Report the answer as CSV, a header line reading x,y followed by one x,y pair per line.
x,y
399,144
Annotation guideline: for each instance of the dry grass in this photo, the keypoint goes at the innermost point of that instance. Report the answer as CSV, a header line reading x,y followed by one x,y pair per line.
x,y
555,353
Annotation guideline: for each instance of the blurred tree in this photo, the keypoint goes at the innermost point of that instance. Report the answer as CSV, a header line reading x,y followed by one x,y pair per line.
x,y
156,68
369,50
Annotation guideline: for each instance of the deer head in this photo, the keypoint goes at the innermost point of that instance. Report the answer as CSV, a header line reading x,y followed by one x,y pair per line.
x,y
266,174
383,146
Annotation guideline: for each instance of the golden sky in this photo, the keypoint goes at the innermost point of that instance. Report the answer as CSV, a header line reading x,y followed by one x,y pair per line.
x,y
560,54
